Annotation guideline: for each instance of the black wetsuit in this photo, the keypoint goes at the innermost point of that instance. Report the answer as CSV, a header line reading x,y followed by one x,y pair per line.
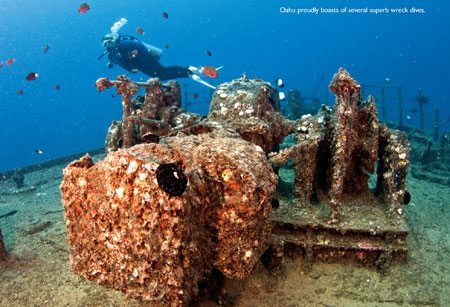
x,y
131,54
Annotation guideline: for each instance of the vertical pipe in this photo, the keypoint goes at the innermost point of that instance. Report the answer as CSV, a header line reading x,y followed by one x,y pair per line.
x,y
437,121
422,115
127,122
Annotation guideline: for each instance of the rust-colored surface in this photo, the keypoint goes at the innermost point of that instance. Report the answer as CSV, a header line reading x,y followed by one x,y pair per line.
x,y
154,113
127,233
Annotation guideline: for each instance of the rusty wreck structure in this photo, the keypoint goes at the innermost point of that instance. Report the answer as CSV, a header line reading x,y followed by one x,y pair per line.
x,y
179,196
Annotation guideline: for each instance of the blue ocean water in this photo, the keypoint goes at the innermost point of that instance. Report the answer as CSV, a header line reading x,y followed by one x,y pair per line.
x,y
244,36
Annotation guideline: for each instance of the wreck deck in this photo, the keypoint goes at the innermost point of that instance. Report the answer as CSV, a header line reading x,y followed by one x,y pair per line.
x,y
366,231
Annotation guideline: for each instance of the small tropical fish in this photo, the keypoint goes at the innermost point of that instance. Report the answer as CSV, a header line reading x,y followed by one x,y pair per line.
x,y
210,71
209,53
20,92
139,30
9,61
408,117
32,76
279,82
134,71
112,96
57,87
281,95
165,15
387,80
166,46
84,8
38,151
45,48
195,96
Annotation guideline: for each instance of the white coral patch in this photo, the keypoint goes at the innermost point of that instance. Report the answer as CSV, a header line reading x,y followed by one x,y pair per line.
x,y
248,254
258,148
119,191
132,167
143,176
82,182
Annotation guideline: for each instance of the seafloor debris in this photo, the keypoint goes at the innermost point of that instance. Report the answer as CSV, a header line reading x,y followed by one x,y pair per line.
x,y
134,225
3,253
18,178
431,161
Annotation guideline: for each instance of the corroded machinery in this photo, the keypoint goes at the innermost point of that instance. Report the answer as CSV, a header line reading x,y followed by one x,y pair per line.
x,y
180,196
336,151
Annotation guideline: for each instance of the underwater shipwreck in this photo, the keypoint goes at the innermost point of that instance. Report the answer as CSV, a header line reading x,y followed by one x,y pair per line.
x,y
182,200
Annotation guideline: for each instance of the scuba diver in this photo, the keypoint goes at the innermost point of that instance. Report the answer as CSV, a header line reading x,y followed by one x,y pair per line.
x,y
134,55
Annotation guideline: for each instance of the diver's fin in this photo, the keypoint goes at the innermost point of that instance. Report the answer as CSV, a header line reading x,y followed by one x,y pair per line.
x,y
199,80
102,55
194,70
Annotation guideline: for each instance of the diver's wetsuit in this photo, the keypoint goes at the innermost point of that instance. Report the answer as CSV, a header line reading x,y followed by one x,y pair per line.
x,y
130,53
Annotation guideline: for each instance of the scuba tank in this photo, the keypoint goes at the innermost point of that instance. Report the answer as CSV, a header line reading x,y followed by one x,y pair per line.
x,y
153,51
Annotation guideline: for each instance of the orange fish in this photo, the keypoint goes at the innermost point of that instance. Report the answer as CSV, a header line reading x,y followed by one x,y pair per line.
x,y
165,15
9,61
195,96
32,76
20,92
140,31
57,87
84,8
210,71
